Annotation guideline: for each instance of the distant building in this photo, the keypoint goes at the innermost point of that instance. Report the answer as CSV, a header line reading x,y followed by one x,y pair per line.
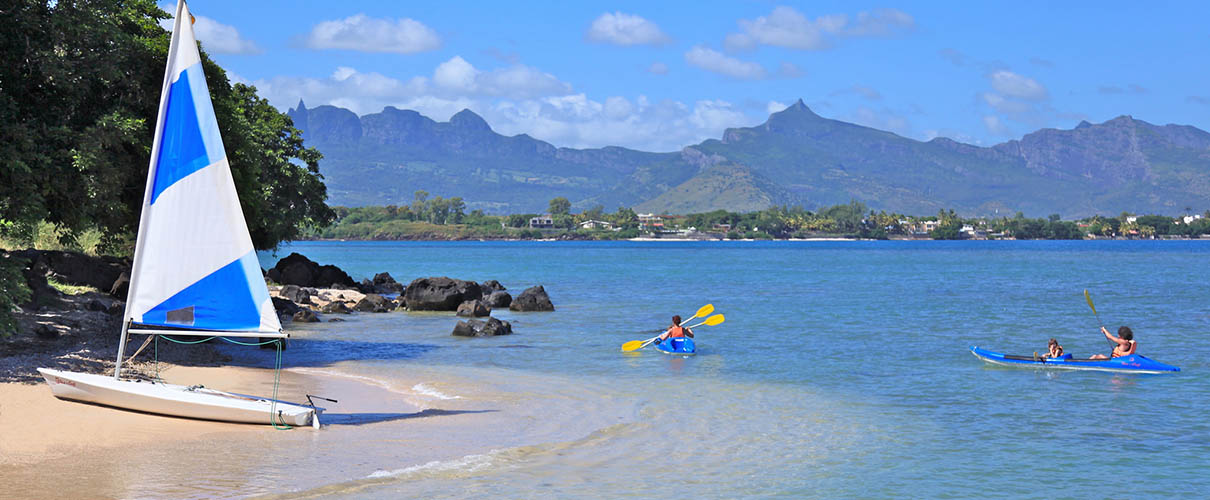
x,y
542,222
595,224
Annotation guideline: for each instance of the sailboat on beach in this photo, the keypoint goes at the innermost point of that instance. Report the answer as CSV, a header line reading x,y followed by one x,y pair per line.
x,y
195,270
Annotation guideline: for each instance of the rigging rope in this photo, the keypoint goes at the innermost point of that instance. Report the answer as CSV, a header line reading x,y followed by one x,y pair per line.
x,y
276,370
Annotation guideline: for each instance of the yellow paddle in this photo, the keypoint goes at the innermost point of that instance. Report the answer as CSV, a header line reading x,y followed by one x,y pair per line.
x,y
711,321
1088,298
639,344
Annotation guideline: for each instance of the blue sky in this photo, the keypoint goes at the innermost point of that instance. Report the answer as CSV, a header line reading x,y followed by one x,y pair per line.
x,y
658,76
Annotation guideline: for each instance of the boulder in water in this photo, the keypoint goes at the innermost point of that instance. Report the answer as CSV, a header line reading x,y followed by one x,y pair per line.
x,y
533,298
440,294
480,328
373,302
476,308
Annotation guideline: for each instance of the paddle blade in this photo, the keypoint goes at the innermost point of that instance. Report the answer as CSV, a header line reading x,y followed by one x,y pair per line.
x,y
714,320
1088,298
705,310
632,345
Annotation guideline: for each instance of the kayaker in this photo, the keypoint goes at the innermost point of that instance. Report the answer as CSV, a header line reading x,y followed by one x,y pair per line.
x,y
1125,344
1054,350
674,331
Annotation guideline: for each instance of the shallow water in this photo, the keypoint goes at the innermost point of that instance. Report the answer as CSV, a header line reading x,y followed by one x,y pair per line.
x,y
842,370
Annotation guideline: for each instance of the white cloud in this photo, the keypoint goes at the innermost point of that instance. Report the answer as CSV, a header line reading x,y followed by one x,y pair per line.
x,y
1004,105
775,106
717,62
516,100
658,68
216,37
1014,85
456,74
619,28
994,125
881,22
787,27
884,119
367,34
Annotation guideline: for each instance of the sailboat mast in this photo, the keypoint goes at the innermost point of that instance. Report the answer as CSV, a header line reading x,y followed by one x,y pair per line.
x,y
151,166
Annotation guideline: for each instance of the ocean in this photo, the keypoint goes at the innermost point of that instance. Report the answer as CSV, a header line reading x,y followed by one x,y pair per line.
x,y
842,371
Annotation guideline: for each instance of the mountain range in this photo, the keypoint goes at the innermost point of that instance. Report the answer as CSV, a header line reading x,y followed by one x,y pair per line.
x,y
795,158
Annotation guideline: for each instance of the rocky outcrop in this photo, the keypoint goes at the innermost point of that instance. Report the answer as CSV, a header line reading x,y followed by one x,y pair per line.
x,y
474,308
383,283
305,316
440,294
296,269
479,328
373,302
499,298
285,307
296,294
335,308
532,299
490,286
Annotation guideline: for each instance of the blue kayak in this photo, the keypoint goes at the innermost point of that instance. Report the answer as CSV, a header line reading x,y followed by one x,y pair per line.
x,y
680,346
1125,364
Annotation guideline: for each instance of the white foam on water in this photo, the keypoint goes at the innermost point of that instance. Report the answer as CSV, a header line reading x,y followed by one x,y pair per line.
x,y
467,464
426,390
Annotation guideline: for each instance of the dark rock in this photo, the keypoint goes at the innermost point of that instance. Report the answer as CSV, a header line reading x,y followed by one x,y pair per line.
x,y
476,308
35,270
96,305
120,286
296,269
479,328
490,286
284,307
335,308
401,303
384,283
84,270
499,298
305,316
373,302
336,320
440,294
296,294
116,308
533,298
46,332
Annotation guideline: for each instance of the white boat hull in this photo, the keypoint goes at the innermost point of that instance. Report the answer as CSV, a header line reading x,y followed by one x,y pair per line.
x,y
176,400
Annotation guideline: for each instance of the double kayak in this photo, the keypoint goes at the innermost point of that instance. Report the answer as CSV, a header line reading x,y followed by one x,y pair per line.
x,y
680,346
1125,364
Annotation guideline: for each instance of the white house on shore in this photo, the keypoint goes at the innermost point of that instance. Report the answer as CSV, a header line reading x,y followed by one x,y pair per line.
x,y
596,224
542,222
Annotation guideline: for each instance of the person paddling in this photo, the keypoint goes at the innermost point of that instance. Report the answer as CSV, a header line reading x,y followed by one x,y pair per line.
x,y
675,331
1124,344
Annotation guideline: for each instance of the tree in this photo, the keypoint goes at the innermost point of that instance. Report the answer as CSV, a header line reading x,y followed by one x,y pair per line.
x,y
560,206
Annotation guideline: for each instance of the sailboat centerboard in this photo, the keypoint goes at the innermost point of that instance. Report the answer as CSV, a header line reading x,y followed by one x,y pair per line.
x,y
195,269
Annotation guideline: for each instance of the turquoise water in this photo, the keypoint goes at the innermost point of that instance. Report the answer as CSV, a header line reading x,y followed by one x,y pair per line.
x,y
842,370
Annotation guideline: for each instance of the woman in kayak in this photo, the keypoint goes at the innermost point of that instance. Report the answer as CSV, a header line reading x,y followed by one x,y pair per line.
x,y
674,331
1125,344
1055,350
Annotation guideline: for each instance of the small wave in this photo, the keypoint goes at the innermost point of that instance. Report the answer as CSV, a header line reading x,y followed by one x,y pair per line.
x,y
467,464
429,391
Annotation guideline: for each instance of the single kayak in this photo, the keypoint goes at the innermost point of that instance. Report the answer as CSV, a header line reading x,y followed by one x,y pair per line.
x,y
681,346
1126,364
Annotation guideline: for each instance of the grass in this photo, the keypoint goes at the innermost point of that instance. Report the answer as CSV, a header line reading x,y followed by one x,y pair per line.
x,y
70,289
46,236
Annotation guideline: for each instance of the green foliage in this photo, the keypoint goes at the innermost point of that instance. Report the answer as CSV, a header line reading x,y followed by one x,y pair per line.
x,y
13,291
560,206
81,86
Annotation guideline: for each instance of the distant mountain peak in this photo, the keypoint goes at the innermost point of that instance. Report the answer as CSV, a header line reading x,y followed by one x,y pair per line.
x,y
467,119
1083,124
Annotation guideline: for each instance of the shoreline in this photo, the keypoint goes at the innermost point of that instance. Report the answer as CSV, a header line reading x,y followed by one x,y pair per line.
x,y
41,427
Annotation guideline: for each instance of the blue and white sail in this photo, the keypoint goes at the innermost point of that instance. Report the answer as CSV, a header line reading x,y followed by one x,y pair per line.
x,y
194,266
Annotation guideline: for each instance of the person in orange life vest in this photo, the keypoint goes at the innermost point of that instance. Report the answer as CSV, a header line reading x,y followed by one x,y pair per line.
x,y
1125,344
674,331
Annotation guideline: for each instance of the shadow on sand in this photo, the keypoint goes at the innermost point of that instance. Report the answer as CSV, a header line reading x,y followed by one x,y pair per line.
x,y
374,418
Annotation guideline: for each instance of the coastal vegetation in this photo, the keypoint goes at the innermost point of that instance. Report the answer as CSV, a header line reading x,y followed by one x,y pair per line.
x,y
438,218
79,92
